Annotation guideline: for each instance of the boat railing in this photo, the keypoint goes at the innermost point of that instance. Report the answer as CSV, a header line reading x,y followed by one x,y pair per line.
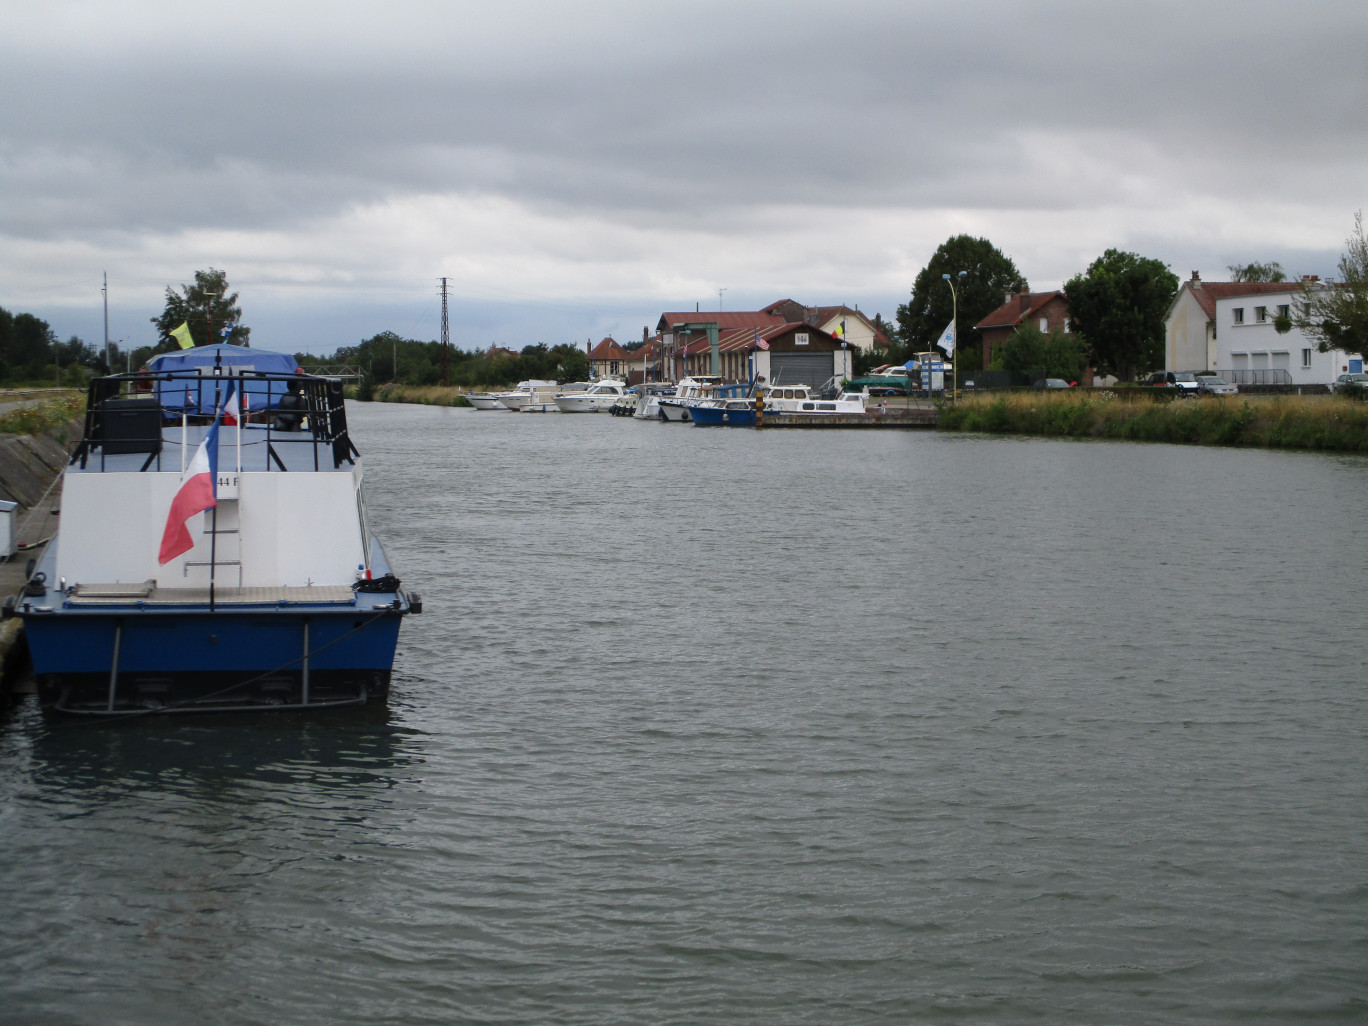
x,y
129,414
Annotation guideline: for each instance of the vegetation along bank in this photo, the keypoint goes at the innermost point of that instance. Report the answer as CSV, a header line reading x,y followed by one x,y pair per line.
x,y
1277,422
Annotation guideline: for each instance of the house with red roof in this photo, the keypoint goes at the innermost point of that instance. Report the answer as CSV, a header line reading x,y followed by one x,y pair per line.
x,y
1231,327
1190,323
1048,311
608,359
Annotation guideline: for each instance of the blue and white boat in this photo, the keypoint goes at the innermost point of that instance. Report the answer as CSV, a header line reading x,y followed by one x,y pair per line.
x,y
282,599
737,412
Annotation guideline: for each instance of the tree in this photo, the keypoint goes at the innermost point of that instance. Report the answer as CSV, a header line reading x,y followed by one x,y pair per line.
x,y
1335,315
1059,354
991,276
207,307
1118,307
1257,272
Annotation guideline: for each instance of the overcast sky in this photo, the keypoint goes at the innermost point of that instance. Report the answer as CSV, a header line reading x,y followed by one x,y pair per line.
x,y
576,168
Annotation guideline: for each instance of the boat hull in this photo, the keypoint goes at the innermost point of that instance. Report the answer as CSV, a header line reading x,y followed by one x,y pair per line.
x,y
135,660
673,411
708,416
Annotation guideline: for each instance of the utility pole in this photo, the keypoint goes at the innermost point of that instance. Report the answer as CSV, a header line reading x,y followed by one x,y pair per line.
x,y
446,335
109,361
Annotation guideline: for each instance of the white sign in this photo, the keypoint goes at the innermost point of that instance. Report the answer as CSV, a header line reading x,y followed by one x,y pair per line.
x,y
800,339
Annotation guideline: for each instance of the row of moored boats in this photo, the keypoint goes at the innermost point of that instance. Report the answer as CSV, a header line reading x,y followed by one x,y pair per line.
x,y
702,400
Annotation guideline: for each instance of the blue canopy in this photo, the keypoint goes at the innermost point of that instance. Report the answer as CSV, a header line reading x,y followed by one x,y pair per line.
x,y
191,397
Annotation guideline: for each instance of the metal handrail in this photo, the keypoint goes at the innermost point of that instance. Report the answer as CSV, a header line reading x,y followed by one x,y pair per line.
x,y
321,406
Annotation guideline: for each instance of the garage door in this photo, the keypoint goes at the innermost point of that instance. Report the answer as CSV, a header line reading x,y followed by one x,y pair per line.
x,y
801,368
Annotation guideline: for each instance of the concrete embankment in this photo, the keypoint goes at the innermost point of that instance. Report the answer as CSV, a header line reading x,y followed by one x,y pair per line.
x,y
30,475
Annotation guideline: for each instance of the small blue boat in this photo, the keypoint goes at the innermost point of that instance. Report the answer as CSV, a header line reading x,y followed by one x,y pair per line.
x,y
737,412
280,598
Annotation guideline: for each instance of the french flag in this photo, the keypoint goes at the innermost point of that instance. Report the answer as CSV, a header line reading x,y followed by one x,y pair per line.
x,y
198,492
230,405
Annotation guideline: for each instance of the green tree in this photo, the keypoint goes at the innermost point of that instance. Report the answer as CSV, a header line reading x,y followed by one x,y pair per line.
x,y
207,307
1118,307
27,347
1059,354
990,277
1257,272
1335,315
571,363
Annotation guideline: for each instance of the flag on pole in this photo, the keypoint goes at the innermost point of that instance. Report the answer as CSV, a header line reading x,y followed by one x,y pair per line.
x,y
947,339
198,492
840,330
760,343
230,405
182,335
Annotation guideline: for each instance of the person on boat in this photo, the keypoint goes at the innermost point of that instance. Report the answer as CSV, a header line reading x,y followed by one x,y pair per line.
x,y
290,409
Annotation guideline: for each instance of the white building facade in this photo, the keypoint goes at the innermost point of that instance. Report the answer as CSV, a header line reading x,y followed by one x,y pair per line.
x,y
1249,348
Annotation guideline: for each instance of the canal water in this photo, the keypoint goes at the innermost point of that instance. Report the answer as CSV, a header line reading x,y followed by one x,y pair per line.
x,y
716,726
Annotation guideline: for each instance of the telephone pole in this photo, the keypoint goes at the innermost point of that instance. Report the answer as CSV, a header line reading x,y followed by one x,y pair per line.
x,y
446,335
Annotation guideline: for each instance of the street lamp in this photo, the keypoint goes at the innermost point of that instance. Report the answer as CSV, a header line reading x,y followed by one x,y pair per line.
x,y
954,330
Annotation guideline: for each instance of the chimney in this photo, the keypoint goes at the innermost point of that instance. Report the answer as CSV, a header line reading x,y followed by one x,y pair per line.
x,y
1196,282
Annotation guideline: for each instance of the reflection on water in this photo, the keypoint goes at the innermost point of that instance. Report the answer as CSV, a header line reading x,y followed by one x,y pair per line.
x,y
719,726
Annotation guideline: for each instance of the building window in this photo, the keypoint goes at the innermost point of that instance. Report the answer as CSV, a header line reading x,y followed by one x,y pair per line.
x,y
1261,314
1239,314
1306,358
1044,325
1284,310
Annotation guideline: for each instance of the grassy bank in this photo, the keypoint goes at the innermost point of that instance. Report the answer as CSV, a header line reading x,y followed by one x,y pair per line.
x,y
425,395
1281,422
48,414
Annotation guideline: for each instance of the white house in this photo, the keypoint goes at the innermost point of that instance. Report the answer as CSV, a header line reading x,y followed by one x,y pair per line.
x,y
1228,327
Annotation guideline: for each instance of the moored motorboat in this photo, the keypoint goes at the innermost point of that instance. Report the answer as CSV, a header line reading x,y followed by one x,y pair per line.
x,y
484,401
530,397
648,408
214,552
675,408
595,399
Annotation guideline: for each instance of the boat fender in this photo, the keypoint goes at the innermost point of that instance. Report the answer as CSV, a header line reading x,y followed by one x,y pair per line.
x,y
377,584
415,602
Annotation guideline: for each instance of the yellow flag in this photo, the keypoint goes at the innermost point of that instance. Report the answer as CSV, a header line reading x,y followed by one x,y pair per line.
x,y
182,335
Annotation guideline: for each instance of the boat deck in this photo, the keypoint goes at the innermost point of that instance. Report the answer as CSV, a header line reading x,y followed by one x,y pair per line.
x,y
147,594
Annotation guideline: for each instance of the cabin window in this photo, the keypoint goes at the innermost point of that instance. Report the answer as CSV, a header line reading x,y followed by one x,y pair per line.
x,y
807,406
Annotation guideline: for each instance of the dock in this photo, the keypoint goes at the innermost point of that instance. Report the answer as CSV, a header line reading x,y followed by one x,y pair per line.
x,y
904,415
30,474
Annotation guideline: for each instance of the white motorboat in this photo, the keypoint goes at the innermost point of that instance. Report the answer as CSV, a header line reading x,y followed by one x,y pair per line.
x,y
528,393
484,401
595,399
675,408
648,408
800,399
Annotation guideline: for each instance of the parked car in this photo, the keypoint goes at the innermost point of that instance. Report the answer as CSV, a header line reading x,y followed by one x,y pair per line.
x,y
1211,384
1184,381
1350,381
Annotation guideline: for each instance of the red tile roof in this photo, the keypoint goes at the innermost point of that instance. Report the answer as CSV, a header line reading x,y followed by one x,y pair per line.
x,y
1207,292
608,350
1014,311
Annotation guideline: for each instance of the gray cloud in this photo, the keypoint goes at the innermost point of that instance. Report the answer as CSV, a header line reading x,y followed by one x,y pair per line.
x,y
690,116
